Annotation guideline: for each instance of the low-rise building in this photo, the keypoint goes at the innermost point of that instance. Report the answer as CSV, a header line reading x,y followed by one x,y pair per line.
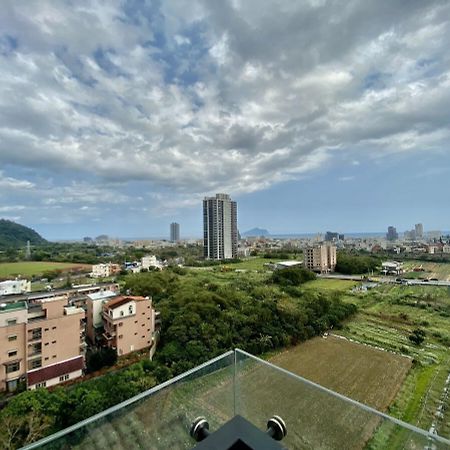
x,y
129,324
105,270
392,268
150,261
14,287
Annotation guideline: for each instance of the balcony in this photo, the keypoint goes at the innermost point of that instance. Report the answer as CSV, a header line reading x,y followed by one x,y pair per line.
x,y
240,387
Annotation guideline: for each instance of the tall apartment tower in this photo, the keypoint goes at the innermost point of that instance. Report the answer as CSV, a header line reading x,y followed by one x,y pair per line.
x,y
392,234
419,230
220,233
174,232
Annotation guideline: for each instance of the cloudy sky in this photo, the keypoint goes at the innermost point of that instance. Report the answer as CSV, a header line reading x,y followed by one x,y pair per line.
x,y
118,117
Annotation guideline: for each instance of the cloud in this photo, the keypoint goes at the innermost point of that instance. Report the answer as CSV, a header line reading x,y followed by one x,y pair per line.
x,y
220,96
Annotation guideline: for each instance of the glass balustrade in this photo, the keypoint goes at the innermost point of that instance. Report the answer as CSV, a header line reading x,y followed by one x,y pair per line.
x,y
238,383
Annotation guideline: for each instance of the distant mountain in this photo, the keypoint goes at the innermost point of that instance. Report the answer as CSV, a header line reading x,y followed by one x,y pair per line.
x,y
256,232
14,235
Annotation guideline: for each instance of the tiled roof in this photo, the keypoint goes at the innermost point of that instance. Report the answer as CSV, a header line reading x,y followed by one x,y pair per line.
x,y
55,370
119,301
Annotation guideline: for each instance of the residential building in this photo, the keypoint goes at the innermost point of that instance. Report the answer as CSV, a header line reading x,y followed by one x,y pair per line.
x,y
220,233
331,236
105,270
55,342
392,234
446,248
13,324
41,343
174,232
320,258
14,287
149,261
129,324
418,228
392,268
94,313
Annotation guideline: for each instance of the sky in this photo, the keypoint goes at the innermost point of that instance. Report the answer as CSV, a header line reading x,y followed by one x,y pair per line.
x,y
118,117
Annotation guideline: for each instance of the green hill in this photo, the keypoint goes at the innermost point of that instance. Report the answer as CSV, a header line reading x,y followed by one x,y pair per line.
x,y
14,235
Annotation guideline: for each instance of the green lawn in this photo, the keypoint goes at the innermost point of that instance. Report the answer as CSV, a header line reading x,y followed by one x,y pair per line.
x,y
33,268
329,284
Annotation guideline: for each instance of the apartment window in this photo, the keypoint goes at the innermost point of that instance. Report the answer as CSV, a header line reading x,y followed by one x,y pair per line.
x,y
35,349
36,333
121,313
13,367
53,328
40,385
10,322
143,313
12,353
12,337
46,343
64,377
53,342
120,324
135,321
46,329
130,309
143,337
54,356
46,358
120,336
35,364
135,334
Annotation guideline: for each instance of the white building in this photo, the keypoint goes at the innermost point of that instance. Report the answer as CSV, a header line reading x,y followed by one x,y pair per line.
x,y
150,261
94,306
392,268
11,287
104,270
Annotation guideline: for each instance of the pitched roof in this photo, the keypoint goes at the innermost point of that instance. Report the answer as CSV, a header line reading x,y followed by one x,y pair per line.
x,y
123,300
55,370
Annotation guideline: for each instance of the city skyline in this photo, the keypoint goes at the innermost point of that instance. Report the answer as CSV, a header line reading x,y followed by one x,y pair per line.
x,y
307,128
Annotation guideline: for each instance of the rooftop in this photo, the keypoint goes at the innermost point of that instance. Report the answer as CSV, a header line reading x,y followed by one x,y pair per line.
x,y
123,300
4,307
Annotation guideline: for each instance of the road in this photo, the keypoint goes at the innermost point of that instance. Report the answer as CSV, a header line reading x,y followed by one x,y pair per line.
x,y
384,279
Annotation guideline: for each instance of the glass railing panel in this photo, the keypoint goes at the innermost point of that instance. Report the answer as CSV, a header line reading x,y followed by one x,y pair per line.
x,y
317,418
159,418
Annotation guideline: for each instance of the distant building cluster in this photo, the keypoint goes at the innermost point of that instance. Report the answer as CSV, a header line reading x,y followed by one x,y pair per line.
x,y
45,336
148,262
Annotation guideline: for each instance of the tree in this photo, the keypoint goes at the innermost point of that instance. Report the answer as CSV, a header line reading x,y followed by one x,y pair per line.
x,y
417,336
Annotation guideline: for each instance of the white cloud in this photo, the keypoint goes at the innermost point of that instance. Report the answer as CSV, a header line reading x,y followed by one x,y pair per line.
x,y
221,96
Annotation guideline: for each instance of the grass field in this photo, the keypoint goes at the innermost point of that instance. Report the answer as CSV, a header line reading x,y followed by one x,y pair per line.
x,y
33,268
327,284
387,315
437,270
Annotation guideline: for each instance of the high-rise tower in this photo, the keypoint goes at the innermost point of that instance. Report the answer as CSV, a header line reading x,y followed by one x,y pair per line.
x,y
220,234
174,232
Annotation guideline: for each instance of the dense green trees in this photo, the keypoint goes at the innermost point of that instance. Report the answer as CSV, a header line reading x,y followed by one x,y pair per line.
x,y
202,316
292,276
14,235
354,264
